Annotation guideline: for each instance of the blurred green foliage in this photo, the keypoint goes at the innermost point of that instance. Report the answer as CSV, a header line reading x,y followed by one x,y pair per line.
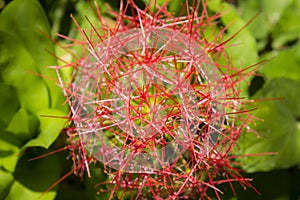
x,y
29,94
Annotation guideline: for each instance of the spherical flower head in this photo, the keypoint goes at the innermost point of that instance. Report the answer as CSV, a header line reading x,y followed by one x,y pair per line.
x,y
150,101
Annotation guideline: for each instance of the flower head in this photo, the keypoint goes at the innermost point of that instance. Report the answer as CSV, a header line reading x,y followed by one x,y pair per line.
x,y
151,102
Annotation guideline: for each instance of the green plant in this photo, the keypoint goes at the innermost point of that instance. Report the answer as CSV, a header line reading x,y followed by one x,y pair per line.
x,y
33,110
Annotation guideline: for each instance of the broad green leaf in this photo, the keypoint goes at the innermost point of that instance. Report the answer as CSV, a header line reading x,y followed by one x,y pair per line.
x,y
279,129
23,125
51,123
284,63
288,27
18,191
267,20
32,178
9,104
8,154
10,138
6,181
260,27
17,69
27,21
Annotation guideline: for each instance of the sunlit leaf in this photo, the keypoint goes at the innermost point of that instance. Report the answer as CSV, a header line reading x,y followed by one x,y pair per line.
x,y
27,21
51,123
8,154
23,125
17,69
6,181
18,191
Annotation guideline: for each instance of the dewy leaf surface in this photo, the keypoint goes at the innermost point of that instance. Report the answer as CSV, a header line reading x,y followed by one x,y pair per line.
x,y
279,131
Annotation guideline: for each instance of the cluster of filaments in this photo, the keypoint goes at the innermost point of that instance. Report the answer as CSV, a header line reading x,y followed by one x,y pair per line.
x,y
150,104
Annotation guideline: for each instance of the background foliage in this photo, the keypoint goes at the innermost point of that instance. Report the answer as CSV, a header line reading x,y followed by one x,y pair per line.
x,y
29,94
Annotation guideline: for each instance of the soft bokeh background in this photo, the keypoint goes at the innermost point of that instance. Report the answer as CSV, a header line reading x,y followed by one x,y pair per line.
x,y
29,94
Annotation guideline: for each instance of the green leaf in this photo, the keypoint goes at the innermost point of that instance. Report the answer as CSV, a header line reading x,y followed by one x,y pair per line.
x,y
279,131
97,175
266,22
8,154
285,63
40,174
244,51
6,181
23,125
242,48
176,6
18,191
51,123
27,21
85,11
288,27
9,104
275,185
173,7
31,178
17,68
